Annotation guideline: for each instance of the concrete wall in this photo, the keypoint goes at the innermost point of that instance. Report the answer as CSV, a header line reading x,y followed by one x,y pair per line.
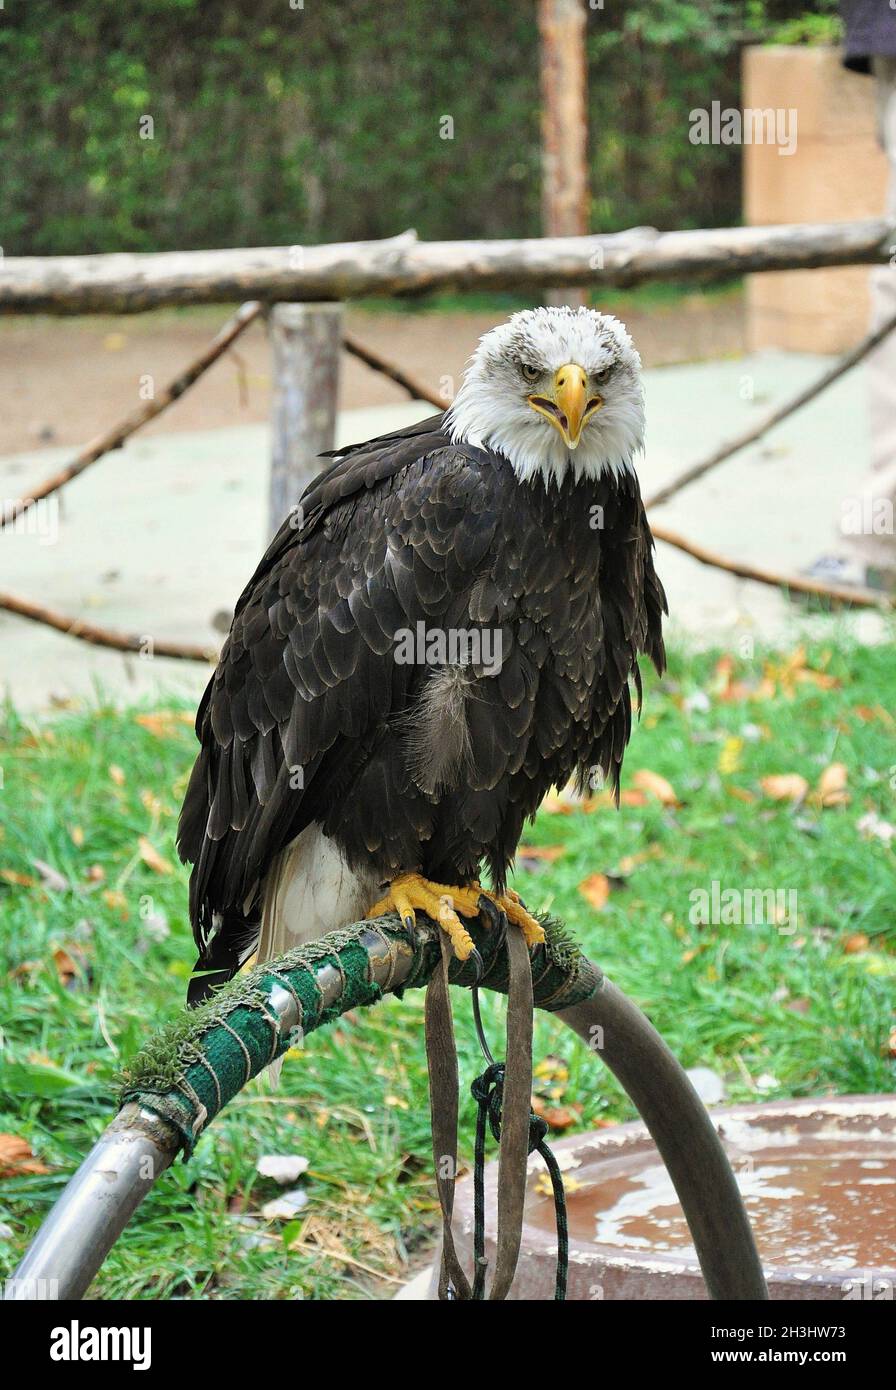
x,y
837,173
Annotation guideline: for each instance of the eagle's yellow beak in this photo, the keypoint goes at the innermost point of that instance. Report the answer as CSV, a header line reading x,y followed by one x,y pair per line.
x,y
569,406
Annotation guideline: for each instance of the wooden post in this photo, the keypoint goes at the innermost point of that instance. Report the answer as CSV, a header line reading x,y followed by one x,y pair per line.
x,y
564,126
305,345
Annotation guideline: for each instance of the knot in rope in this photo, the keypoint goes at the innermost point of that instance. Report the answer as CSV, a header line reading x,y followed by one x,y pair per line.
x,y
488,1092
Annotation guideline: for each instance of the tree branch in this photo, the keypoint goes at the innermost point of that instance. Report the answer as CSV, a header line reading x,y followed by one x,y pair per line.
x,y
415,388
774,417
103,636
849,598
115,437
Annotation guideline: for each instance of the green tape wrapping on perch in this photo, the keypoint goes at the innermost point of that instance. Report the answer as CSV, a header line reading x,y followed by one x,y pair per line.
x,y
190,1070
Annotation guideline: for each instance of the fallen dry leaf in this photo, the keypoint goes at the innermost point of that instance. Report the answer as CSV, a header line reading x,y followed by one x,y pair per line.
x,y
869,712
731,691
545,1188
856,944
25,968
785,786
724,667
654,785
151,857
727,688
735,691
66,968
153,804
547,852
162,722
792,671
21,880
117,775
631,797
818,678
159,724
551,1068
596,888
17,1156
77,835
832,785
556,1117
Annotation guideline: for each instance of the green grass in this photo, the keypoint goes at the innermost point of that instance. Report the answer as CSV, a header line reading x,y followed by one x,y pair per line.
x,y
776,1012
659,295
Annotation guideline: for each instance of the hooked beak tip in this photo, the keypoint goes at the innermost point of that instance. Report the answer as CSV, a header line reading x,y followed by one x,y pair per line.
x,y
570,408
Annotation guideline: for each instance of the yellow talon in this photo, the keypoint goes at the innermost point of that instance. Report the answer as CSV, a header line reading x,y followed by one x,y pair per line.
x,y
510,905
411,893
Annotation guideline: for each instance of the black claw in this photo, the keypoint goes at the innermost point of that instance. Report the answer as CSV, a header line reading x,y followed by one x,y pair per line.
x,y
475,959
480,1031
491,910
410,931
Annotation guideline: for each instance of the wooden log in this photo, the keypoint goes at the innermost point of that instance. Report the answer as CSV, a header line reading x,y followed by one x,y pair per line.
x,y
305,343
130,283
564,127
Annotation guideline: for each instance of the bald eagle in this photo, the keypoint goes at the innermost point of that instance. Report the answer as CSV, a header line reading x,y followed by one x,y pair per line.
x,y
444,627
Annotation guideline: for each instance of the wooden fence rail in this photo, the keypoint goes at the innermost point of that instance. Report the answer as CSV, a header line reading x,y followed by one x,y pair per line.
x,y
402,265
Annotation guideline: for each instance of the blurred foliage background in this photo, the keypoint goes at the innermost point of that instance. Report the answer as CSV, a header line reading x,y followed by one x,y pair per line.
x,y
274,124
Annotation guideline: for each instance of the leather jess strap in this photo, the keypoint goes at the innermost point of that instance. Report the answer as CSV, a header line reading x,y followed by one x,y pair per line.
x,y
441,1054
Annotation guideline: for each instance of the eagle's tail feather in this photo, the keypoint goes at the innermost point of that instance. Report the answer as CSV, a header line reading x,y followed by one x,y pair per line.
x,y
227,943
309,891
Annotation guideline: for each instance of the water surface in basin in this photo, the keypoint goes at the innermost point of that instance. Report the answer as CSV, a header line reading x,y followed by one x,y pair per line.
x,y
833,1206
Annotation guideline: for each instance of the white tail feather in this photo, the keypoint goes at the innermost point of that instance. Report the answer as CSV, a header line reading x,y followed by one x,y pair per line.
x,y
309,891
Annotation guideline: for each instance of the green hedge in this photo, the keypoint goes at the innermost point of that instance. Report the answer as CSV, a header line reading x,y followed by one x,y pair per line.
x,y
274,125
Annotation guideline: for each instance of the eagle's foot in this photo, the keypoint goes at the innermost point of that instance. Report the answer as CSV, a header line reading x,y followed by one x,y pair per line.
x,y
510,905
442,902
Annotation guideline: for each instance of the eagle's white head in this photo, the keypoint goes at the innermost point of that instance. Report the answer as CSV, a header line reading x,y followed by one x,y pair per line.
x,y
556,391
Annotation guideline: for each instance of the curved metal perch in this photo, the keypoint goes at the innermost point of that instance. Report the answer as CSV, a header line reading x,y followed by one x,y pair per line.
x,y
187,1074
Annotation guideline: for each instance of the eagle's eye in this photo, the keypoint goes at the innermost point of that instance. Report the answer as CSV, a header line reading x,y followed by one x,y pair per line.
x,y
529,372
601,378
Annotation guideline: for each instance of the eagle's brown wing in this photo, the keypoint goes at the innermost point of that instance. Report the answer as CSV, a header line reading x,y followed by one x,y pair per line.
x,y
391,533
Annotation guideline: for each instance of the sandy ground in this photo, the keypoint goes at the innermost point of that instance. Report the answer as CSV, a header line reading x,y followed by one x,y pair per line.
x,y
65,379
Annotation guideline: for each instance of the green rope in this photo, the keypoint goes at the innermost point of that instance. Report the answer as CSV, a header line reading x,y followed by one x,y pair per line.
x,y
189,1071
